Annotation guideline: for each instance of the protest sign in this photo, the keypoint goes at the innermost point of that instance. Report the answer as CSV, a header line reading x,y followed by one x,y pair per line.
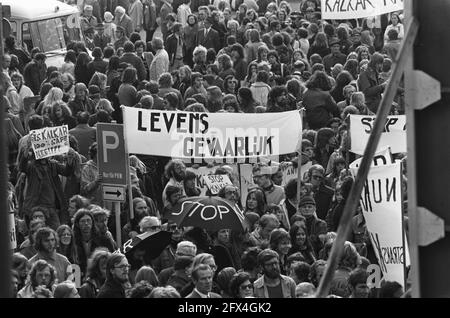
x,y
381,202
215,182
50,141
393,135
289,172
382,158
246,179
355,9
210,135
200,173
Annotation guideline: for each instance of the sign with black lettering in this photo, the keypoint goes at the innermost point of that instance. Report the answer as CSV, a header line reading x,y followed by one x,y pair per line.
x,y
211,135
215,182
381,202
50,141
355,9
381,158
393,135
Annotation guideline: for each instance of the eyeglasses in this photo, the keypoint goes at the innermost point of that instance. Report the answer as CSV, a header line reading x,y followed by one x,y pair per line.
x,y
232,82
123,267
248,286
230,192
317,177
66,235
172,228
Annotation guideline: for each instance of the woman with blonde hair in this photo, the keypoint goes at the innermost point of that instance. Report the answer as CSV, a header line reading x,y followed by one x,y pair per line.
x,y
103,104
55,95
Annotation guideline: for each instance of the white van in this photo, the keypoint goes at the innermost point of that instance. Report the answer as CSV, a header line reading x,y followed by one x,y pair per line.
x,y
46,24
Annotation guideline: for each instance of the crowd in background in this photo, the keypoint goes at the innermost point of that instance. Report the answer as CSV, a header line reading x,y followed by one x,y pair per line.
x,y
249,56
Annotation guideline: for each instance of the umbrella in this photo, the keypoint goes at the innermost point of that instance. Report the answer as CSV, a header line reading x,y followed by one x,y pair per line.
x,y
152,244
210,213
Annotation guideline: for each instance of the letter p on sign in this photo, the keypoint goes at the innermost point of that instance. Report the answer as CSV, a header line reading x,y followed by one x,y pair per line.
x,y
109,146
112,159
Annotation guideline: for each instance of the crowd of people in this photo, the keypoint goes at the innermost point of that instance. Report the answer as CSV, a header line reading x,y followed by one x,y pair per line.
x,y
248,56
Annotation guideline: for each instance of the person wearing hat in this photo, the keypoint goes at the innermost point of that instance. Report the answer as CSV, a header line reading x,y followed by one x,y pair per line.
x,y
355,39
208,37
183,249
101,40
272,284
262,177
121,37
214,99
316,228
335,56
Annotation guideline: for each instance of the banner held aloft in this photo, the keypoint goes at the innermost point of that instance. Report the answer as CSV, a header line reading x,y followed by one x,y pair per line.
x,y
355,9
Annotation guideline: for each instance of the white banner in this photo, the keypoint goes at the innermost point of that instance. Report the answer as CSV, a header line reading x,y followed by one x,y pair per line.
x,y
355,9
381,158
381,202
50,141
210,135
393,135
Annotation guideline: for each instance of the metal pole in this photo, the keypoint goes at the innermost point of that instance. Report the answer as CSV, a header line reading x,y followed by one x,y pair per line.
x,y
299,179
5,250
116,206
355,192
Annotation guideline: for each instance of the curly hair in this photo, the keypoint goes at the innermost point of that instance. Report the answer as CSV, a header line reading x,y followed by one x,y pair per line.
x,y
236,281
40,265
319,80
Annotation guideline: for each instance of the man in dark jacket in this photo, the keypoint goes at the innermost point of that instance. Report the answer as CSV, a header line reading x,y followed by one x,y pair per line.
x,y
101,40
35,73
174,45
117,269
84,134
335,56
208,37
131,58
369,82
322,193
202,276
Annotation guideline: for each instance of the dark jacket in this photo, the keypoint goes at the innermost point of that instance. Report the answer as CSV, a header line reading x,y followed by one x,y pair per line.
x,y
43,183
212,39
89,289
101,41
323,197
171,47
320,108
137,63
369,84
85,136
178,280
98,66
111,289
331,60
194,294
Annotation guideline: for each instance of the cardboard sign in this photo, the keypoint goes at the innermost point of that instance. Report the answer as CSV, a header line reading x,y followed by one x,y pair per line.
x,y
355,9
215,182
50,141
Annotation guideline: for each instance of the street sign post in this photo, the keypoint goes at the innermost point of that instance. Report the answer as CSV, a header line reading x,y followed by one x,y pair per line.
x,y
113,167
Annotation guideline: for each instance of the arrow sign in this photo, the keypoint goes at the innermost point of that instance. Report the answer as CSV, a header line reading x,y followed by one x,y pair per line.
x,y
113,193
